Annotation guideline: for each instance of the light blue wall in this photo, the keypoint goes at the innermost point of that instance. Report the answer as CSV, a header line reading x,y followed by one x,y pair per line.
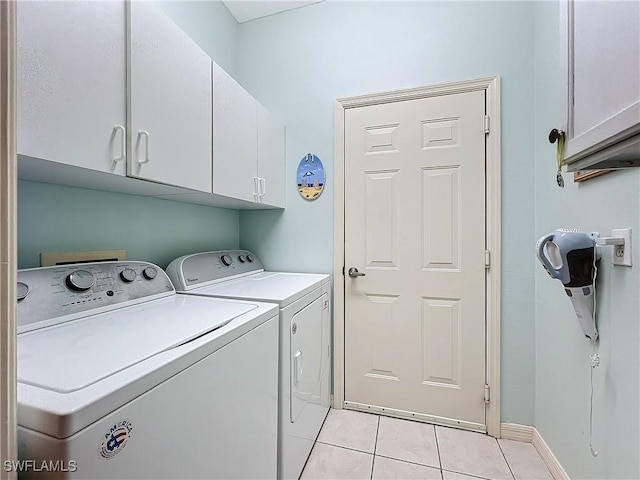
x,y
210,25
52,218
562,353
299,62
58,218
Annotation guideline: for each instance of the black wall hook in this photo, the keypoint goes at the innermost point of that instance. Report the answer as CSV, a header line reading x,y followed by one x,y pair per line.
x,y
555,135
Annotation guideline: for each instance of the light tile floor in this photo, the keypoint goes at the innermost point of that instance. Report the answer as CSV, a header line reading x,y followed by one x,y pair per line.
x,y
354,445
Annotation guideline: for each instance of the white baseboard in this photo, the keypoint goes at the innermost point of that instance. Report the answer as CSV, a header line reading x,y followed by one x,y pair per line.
x,y
548,457
529,434
520,433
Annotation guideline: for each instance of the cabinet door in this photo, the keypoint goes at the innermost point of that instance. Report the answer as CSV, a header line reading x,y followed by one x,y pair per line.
x,y
271,158
71,83
170,102
235,136
603,74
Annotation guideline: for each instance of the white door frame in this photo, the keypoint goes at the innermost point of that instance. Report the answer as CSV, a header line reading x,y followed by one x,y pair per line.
x,y
491,87
8,258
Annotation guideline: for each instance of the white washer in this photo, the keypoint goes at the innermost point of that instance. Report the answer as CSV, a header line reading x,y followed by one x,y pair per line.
x,y
305,349
119,377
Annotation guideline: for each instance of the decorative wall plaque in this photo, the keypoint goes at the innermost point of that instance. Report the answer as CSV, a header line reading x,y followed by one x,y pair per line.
x,y
311,177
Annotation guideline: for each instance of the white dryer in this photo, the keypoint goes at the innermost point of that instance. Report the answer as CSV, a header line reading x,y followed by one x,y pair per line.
x,y
305,348
120,377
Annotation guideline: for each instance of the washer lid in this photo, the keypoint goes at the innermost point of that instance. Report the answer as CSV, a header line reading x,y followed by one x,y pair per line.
x,y
71,356
283,288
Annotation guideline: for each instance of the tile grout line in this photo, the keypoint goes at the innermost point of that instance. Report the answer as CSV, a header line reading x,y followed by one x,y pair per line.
x,y
315,441
342,446
375,446
408,461
505,458
435,434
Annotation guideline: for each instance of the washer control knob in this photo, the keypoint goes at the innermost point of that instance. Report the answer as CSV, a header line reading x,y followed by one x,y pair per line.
x,y
226,260
80,280
250,258
242,258
128,275
150,273
22,290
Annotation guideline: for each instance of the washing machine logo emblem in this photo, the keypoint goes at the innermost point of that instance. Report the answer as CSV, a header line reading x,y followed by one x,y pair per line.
x,y
115,439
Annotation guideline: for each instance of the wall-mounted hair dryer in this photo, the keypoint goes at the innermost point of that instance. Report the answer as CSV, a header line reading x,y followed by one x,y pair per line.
x,y
569,256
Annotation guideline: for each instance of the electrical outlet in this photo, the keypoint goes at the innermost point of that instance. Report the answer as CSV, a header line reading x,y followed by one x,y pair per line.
x,y
622,253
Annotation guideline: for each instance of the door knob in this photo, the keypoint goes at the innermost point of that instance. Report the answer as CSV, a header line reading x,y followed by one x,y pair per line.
x,y
353,273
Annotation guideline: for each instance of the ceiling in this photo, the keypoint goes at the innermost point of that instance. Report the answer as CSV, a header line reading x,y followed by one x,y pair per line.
x,y
243,10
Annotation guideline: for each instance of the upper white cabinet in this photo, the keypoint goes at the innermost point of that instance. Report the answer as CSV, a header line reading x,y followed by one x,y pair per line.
x,y
71,83
602,74
235,138
113,95
248,145
271,155
170,102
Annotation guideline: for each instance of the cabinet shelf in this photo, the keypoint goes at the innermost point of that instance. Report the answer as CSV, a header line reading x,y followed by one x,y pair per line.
x,y
39,170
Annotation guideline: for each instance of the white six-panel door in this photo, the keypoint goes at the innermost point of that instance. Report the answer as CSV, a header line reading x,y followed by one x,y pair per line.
x,y
415,226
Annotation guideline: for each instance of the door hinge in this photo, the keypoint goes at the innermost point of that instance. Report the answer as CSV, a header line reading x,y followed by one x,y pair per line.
x,y
486,124
487,391
487,259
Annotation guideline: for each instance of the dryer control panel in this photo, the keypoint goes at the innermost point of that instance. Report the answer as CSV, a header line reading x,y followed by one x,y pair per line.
x,y
209,267
49,295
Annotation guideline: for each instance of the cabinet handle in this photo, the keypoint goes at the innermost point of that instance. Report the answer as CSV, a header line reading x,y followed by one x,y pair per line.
x,y
116,129
263,187
145,134
256,189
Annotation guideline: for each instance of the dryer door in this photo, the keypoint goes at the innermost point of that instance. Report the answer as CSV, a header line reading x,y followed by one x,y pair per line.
x,y
307,356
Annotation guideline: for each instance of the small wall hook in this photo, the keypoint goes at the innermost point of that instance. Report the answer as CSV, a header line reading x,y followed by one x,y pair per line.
x,y
555,135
